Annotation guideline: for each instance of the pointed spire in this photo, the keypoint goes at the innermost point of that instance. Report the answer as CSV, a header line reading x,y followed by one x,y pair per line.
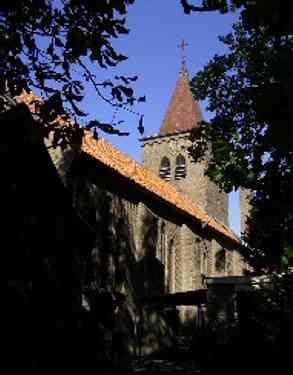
x,y
183,112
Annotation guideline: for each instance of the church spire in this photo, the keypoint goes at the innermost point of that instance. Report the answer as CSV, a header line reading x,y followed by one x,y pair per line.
x,y
183,112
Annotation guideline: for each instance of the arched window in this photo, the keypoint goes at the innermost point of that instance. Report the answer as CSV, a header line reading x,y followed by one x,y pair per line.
x,y
165,169
180,171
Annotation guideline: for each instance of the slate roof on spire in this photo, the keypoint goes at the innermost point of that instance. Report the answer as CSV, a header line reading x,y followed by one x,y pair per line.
x,y
183,112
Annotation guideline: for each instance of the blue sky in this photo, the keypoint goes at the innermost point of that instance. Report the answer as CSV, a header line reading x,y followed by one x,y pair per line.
x,y
157,28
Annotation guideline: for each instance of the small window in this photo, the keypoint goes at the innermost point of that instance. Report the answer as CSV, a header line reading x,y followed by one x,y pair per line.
x,y
180,171
204,262
220,260
165,169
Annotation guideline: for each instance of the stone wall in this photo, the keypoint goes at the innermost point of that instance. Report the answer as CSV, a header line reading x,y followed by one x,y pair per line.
x,y
203,256
124,260
142,249
245,207
217,202
139,251
194,184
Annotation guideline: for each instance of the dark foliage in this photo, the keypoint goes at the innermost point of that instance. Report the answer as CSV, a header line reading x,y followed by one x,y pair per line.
x,y
56,47
258,341
249,90
276,15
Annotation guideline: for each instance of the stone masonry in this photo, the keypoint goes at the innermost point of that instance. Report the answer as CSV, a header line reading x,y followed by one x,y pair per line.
x,y
151,237
196,257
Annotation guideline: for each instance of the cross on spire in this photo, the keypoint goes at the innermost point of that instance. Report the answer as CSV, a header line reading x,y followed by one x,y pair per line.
x,y
183,46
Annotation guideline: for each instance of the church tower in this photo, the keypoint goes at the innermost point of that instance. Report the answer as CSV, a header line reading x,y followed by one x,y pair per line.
x,y
187,257
166,153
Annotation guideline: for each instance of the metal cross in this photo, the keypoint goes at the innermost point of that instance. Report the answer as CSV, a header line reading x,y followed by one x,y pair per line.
x,y
183,46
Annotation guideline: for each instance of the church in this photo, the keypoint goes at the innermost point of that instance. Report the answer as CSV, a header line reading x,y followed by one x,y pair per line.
x,y
160,228
168,222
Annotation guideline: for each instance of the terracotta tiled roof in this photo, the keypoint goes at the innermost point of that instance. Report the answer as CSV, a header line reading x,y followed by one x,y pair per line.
x,y
34,102
183,112
123,164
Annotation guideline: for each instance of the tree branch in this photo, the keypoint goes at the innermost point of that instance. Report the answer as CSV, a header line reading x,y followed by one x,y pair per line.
x,y
192,8
96,85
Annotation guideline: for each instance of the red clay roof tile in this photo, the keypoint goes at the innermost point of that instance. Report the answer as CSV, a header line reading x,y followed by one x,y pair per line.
x,y
183,112
123,164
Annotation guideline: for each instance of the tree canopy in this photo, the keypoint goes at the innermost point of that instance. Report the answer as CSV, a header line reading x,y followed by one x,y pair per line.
x,y
276,15
56,47
249,91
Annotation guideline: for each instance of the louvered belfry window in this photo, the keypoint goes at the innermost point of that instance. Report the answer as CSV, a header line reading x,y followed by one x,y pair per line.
x,y
165,169
180,171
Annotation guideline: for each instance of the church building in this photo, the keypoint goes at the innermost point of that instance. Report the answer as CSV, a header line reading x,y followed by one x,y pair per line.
x,y
160,227
175,219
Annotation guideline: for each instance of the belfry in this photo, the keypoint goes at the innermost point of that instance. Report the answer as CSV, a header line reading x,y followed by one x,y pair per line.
x,y
165,154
